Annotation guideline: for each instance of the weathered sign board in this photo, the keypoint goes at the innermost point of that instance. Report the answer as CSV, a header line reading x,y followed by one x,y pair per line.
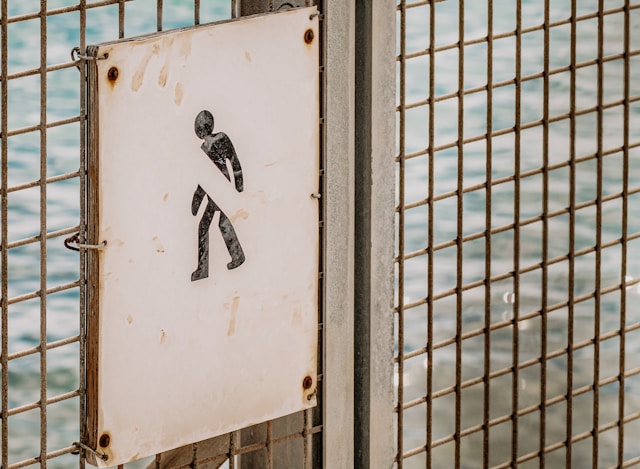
x,y
203,234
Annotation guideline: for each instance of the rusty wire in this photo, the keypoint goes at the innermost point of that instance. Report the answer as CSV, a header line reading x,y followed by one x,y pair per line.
x,y
5,240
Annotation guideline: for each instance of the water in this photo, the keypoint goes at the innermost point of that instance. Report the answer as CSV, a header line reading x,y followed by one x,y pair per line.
x,y
63,212
502,215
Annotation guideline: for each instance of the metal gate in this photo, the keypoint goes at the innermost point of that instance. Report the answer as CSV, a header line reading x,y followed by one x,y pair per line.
x,y
518,234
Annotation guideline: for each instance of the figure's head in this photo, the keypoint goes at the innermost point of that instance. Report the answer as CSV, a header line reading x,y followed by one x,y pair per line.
x,y
204,124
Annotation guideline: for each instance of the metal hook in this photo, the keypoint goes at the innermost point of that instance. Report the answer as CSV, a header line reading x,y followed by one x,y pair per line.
x,y
75,239
77,56
286,5
102,456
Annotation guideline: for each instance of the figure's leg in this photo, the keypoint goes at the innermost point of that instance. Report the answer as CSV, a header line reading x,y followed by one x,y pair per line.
x,y
198,196
203,241
231,240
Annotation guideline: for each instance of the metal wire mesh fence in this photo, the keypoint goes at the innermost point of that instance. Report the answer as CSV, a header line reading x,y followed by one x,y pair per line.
x,y
43,128
518,235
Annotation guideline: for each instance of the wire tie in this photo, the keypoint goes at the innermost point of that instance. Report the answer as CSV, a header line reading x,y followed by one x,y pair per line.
x,y
102,456
316,196
318,14
75,239
77,56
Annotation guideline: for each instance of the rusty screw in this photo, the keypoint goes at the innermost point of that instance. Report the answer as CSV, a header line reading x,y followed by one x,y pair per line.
x,y
307,382
308,36
112,74
104,441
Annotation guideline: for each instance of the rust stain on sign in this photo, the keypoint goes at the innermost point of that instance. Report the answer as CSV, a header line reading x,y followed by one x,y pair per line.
x,y
138,77
162,78
234,310
184,47
178,93
240,214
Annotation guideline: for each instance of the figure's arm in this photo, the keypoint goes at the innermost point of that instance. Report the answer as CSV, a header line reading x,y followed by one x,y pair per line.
x,y
237,171
226,151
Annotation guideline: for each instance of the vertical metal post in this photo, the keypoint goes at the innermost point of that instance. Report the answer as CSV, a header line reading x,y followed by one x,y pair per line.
x,y
339,213
121,19
486,411
4,303
400,270
374,232
517,191
544,322
459,234
572,233
431,154
83,234
159,15
626,140
597,317
43,233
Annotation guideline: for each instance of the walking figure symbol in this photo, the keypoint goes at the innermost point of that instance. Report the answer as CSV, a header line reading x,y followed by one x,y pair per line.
x,y
218,147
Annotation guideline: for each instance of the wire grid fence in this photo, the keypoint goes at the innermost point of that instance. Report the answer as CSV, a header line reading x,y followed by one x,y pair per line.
x,y
43,124
518,239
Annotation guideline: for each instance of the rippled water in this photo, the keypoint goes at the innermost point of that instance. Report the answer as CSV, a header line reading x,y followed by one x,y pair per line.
x,y
63,207
501,301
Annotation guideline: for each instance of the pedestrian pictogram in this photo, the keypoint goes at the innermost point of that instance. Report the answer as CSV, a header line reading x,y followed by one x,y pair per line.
x,y
218,147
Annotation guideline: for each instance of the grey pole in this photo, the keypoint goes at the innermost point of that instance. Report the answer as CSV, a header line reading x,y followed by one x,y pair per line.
x,y
375,201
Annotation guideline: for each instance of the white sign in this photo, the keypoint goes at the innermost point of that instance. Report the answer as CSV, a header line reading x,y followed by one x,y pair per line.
x,y
204,181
